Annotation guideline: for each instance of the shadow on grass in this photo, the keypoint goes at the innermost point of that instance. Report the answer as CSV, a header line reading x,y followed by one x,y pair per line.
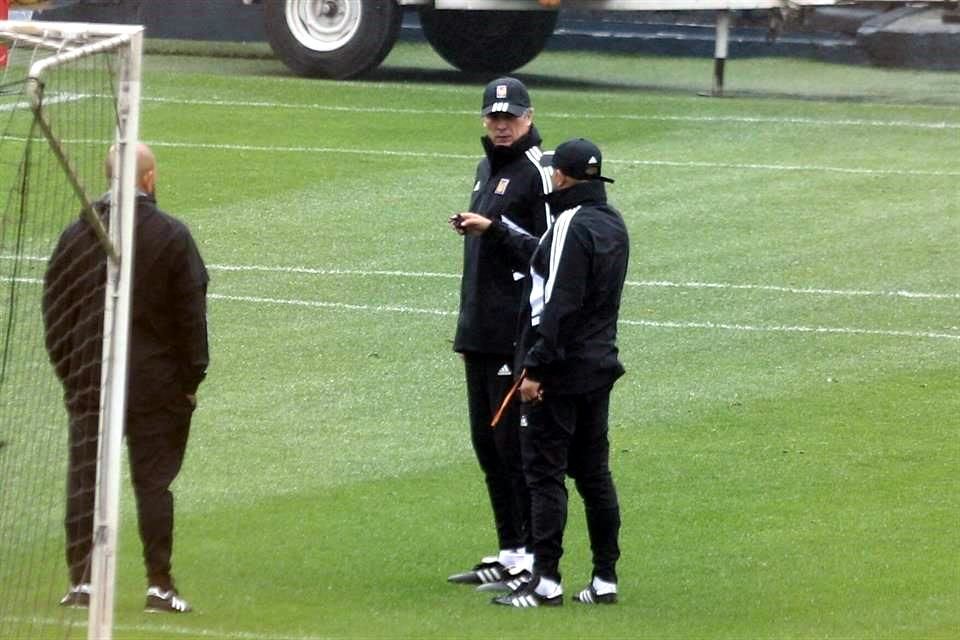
x,y
400,74
540,81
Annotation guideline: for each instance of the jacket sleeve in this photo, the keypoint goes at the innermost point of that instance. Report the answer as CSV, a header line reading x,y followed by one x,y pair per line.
x,y
189,287
519,243
58,307
516,243
564,292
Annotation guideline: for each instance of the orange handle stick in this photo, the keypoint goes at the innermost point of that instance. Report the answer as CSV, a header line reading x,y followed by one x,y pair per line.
x,y
507,399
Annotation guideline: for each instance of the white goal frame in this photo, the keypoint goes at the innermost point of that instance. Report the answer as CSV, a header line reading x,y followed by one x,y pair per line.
x,y
73,41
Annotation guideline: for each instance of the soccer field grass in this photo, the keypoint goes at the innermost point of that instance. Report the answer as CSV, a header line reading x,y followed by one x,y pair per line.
x,y
786,442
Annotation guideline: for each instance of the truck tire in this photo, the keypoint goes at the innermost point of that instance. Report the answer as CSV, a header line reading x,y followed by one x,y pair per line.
x,y
331,38
487,41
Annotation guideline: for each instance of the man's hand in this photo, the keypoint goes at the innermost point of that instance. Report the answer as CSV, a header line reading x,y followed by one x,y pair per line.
x,y
469,223
531,391
549,4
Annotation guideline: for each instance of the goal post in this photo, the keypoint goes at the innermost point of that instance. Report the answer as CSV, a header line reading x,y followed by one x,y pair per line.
x,y
70,93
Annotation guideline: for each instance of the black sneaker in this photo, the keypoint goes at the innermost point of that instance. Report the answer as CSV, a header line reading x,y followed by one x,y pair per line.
x,y
590,596
168,601
510,582
78,597
489,570
526,596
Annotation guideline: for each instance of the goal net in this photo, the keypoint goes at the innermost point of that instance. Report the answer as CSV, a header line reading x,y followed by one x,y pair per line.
x,y
69,94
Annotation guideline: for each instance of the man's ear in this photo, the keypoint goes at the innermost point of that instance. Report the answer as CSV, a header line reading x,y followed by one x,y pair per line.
x,y
559,178
149,182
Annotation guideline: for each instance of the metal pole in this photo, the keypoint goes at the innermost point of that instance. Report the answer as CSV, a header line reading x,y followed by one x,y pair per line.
x,y
720,53
116,342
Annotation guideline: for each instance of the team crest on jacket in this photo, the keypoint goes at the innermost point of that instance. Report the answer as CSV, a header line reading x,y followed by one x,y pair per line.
x,y
502,186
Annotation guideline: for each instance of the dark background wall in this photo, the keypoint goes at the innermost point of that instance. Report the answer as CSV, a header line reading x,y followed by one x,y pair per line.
x,y
898,36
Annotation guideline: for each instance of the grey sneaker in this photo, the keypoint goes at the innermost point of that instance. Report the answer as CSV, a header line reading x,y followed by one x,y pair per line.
x,y
78,597
168,601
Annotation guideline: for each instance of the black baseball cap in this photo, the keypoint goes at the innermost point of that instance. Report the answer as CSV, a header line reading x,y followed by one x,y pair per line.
x,y
579,158
505,95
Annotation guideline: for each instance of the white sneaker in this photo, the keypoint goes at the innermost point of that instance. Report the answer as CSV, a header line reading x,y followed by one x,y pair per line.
x,y
598,592
78,597
168,601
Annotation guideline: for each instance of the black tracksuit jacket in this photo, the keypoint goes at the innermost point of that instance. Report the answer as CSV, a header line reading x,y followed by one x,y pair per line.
x,y
509,188
168,331
569,330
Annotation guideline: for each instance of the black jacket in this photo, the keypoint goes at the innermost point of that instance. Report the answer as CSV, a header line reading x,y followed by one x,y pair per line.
x,y
569,331
509,188
168,330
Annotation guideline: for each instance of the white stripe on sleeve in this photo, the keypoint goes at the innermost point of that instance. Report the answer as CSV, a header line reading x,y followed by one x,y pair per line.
x,y
556,249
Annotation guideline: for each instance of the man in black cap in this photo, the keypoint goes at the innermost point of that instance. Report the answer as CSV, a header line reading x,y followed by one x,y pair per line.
x,y
509,188
568,354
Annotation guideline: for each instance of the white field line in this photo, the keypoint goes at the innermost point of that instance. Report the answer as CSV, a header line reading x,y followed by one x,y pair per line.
x,y
332,305
667,284
786,167
163,628
793,329
777,120
896,333
463,156
663,324
630,283
797,290
24,103
686,98
430,155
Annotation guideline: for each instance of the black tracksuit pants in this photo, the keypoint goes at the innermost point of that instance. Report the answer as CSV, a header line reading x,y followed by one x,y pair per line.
x,y
567,435
498,450
156,443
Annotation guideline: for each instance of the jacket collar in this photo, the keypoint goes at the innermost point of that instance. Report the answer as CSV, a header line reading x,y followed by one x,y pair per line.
x,y
105,198
499,156
102,205
589,192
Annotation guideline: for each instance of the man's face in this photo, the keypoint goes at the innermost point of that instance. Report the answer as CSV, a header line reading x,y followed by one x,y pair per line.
x,y
504,129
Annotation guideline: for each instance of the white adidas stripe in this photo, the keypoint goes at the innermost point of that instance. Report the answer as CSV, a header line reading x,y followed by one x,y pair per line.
x,y
535,155
525,601
488,575
562,226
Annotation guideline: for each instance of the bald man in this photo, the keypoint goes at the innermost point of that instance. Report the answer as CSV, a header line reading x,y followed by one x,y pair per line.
x,y
168,360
